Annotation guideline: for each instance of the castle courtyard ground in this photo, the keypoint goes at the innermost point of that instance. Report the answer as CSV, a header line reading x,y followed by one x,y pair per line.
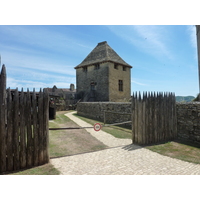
x,y
121,158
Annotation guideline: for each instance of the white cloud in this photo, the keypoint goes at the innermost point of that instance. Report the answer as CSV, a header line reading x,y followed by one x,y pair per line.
x,y
15,60
138,83
29,78
153,40
44,37
149,39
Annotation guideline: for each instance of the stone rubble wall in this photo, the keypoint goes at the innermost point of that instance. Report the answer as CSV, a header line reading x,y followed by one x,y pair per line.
x,y
188,116
95,110
188,121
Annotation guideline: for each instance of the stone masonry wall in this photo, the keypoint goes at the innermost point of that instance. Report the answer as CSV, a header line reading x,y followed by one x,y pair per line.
x,y
106,78
100,76
95,110
188,121
114,76
188,116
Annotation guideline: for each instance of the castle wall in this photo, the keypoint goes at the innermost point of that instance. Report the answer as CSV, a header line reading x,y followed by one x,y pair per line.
x,y
188,121
100,76
95,110
114,76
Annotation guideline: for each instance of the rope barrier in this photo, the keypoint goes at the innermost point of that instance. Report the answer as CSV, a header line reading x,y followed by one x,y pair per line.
x,y
53,129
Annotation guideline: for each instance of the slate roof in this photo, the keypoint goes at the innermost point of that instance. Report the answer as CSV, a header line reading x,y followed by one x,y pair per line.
x,y
102,53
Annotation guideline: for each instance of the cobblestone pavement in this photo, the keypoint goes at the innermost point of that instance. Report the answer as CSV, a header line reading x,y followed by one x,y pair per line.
x,y
122,158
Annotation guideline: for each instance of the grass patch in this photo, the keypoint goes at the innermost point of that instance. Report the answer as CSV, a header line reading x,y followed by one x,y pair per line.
x,y
46,169
178,150
72,141
116,131
60,118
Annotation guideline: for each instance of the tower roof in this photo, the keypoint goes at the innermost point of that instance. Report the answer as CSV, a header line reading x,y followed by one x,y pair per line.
x,y
102,53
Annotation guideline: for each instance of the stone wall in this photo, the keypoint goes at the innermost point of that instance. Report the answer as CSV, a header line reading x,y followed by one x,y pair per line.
x,y
99,76
188,121
115,74
188,116
95,110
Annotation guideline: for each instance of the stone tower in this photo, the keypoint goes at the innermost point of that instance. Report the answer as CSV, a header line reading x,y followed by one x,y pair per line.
x,y
103,76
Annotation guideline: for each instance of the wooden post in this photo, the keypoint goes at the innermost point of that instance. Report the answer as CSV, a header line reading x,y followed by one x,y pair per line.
x,y
16,129
29,155
150,118
132,118
2,120
41,128
46,126
140,125
147,119
22,108
144,119
35,129
169,127
159,129
175,116
136,119
155,118
9,131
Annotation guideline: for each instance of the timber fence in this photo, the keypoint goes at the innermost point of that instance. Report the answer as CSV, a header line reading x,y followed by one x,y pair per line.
x,y
24,131
154,118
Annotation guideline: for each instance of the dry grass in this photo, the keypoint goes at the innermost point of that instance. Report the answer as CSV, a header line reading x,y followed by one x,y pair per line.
x,y
178,150
70,142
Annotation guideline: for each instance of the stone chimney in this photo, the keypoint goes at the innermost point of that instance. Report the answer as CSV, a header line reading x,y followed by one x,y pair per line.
x,y
71,87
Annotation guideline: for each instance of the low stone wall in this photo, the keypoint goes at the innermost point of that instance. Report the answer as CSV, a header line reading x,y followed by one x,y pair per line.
x,y
95,110
188,121
188,116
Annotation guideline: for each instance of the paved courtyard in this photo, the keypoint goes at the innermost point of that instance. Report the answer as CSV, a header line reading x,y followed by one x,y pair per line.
x,y
121,158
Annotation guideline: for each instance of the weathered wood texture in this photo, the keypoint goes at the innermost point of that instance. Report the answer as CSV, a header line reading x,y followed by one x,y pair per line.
x,y
153,118
23,128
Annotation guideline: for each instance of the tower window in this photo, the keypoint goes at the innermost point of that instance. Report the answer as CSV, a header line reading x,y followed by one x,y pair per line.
x,y
97,66
120,85
116,66
85,69
124,68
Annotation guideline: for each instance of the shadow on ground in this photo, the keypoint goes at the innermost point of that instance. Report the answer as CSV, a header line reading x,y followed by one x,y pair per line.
x,y
131,147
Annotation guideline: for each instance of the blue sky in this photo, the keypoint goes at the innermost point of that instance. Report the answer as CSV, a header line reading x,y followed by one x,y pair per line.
x,y
164,57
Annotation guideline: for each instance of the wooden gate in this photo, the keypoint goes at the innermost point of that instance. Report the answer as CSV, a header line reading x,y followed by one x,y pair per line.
x,y
153,118
24,127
